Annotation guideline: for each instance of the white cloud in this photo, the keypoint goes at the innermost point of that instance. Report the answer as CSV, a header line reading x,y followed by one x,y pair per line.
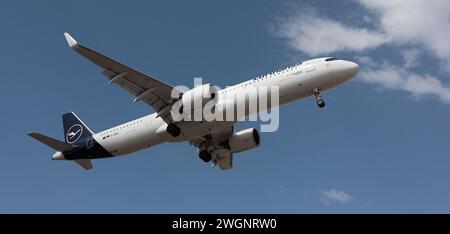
x,y
403,22
398,78
410,57
409,26
415,21
333,196
314,36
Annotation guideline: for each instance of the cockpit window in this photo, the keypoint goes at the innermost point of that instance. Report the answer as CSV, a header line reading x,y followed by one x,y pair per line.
x,y
330,59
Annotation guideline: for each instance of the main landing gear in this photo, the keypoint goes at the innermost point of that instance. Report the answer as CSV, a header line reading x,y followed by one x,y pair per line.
x,y
205,156
320,102
173,129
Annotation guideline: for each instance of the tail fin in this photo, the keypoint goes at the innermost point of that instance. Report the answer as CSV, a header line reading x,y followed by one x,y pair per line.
x,y
74,129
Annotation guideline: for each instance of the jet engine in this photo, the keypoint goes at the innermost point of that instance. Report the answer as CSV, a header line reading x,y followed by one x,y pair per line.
x,y
244,140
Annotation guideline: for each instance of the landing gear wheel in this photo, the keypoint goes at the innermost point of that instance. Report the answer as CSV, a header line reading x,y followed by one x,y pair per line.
x,y
173,129
205,156
321,103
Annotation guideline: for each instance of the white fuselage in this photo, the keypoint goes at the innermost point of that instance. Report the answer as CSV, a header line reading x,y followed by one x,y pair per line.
x,y
294,83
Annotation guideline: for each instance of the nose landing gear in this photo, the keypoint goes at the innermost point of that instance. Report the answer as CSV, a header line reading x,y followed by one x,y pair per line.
x,y
320,102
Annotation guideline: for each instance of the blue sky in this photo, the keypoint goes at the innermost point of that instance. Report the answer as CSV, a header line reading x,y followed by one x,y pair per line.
x,y
380,145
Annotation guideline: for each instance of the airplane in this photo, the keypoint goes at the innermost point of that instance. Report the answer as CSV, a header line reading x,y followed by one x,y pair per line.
x,y
216,141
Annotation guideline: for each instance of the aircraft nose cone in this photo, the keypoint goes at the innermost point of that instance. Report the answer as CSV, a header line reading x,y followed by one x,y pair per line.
x,y
58,156
353,68
347,70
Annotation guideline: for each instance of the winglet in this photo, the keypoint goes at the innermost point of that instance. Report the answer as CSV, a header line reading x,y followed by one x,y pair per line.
x,y
72,42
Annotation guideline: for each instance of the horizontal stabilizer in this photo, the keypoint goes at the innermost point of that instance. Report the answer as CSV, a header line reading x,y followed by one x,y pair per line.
x,y
85,163
52,143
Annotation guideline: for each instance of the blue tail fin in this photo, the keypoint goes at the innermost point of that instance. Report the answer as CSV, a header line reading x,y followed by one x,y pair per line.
x,y
75,130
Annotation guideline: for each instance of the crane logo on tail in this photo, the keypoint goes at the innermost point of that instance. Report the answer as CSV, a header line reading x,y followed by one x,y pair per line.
x,y
74,133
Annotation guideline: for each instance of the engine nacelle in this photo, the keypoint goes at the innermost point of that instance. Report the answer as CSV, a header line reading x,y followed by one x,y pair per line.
x,y
244,140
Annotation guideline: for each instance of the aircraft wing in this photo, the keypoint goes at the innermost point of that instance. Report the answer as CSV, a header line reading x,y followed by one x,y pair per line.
x,y
144,87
